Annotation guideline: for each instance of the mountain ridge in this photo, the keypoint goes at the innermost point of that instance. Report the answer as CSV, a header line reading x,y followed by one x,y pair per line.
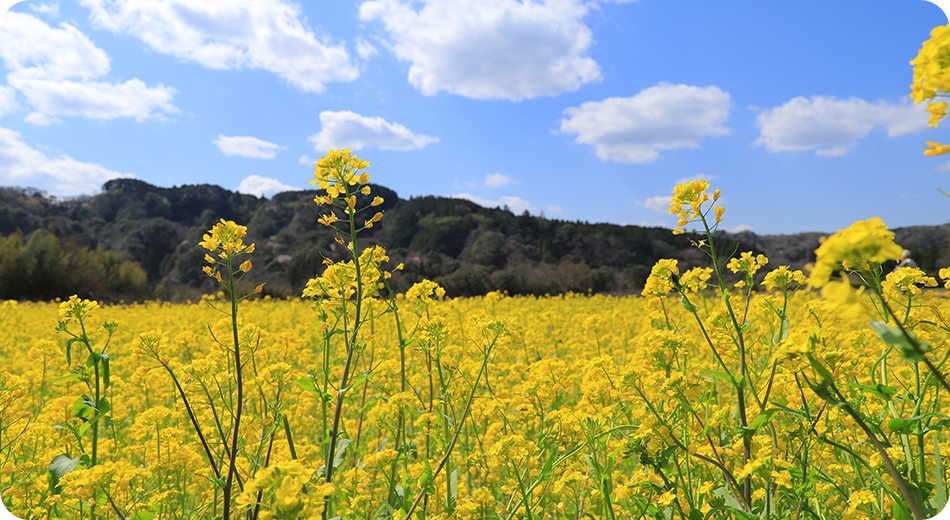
x,y
467,248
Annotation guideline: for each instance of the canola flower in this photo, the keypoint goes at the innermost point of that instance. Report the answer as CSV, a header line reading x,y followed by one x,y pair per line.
x,y
695,399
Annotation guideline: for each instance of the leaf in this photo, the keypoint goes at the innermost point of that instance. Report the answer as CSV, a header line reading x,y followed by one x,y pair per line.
x,y
822,371
425,480
734,381
83,406
906,425
341,446
69,351
61,465
939,500
93,359
903,340
782,332
307,384
690,308
105,370
548,469
883,391
453,490
762,419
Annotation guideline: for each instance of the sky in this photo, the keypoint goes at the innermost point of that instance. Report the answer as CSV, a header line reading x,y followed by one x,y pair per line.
x,y
581,110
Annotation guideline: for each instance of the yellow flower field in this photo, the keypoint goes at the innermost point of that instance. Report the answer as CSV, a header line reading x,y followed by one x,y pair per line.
x,y
589,404
777,396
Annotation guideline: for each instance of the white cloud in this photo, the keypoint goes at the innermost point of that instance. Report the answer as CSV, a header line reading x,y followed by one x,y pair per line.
x,y
495,180
232,34
260,186
517,205
489,49
553,209
663,117
307,160
697,177
345,129
21,165
247,146
364,49
47,9
737,229
32,48
95,100
8,102
833,126
659,203
54,67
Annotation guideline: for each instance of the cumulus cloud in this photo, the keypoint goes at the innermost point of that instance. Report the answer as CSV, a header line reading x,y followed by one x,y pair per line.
x,y
489,49
738,229
54,69
833,126
8,102
495,180
517,205
22,165
47,9
261,186
307,160
663,117
659,203
345,129
364,49
247,146
269,35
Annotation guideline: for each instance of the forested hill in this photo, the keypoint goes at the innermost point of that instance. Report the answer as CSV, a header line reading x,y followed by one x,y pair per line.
x,y
136,241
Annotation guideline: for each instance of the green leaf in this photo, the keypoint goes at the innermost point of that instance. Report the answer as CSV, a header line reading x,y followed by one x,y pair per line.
x,y
730,501
822,371
70,377
105,370
690,308
69,351
84,427
883,391
907,425
425,480
782,332
142,515
762,419
939,500
903,340
307,384
83,406
341,446
734,381
548,469
453,490
61,465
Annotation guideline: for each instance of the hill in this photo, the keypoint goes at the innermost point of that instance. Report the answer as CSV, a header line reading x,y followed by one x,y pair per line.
x,y
138,241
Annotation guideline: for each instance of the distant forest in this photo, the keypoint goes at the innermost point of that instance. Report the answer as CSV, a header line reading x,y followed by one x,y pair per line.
x,y
135,241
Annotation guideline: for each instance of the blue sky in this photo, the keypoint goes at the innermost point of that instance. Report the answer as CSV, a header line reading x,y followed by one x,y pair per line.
x,y
586,110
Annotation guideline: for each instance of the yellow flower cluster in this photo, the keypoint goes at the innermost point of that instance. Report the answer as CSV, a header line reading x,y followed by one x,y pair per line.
x,y
75,309
855,248
289,491
932,78
227,239
687,204
341,175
